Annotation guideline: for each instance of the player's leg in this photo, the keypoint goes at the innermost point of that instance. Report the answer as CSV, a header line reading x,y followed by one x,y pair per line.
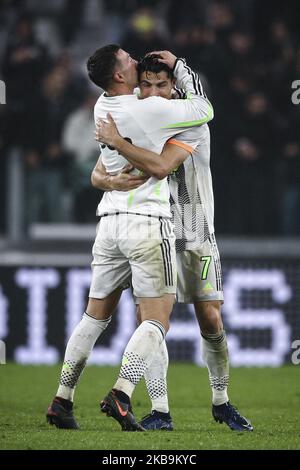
x,y
103,300
214,347
215,355
138,355
156,383
156,374
199,282
93,323
208,298
154,283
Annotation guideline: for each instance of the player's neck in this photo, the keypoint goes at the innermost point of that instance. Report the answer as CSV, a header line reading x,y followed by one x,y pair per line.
x,y
120,89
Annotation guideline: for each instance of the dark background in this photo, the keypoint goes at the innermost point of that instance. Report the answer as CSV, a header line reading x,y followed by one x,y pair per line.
x,y
248,53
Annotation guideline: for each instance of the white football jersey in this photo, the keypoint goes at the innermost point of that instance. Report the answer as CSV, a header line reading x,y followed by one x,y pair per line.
x,y
191,192
149,123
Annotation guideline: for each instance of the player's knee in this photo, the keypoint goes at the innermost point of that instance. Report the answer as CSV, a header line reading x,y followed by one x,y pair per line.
x,y
158,309
209,317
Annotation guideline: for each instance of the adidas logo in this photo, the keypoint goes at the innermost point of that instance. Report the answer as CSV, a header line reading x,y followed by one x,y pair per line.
x,y
207,287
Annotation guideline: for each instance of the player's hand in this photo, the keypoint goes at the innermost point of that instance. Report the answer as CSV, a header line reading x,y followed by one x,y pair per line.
x,y
166,57
107,131
124,181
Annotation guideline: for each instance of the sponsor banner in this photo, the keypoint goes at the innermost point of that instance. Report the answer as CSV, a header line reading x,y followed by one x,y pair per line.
x,y
40,306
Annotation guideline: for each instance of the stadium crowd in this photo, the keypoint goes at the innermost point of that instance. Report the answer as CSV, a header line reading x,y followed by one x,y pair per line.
x,y
248,54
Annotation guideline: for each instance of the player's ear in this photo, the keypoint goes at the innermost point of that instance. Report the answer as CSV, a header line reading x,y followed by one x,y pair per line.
x,y
173,82
119,77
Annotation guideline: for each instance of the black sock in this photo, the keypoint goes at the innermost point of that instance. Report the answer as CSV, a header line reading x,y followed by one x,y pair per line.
x,y
122,396
67,404
163,415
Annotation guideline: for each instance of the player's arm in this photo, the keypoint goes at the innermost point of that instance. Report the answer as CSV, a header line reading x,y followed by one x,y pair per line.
x,y
123,181
150,162
196,109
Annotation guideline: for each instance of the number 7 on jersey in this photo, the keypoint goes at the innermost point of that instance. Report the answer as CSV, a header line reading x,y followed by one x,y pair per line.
x,y
207,260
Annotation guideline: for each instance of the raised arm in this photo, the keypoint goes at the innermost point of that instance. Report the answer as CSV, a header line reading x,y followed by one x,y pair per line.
x,y
123,181
150,162
187,81
173,116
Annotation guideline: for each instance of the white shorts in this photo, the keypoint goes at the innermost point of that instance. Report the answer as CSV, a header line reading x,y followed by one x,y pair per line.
x,y
199,275
134,248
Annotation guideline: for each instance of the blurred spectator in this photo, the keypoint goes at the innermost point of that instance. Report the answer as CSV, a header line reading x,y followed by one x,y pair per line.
x,y
264,14
291,189
289,171
244,12
254,204
240,54
280,55
228,101
145,34
70,20
237,47
24,66
221,19
126,9
78,141
47,161
198,44
117,14
193,14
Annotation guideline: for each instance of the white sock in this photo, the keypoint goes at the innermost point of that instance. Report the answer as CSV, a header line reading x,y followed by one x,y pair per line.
x,y
215,355
156,379
139,354
78,349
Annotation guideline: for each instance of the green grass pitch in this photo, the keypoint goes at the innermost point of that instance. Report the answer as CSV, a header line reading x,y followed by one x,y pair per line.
x,y
270,398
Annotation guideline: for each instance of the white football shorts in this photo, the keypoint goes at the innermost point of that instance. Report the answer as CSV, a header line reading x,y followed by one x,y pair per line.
x,y
199,275
137,249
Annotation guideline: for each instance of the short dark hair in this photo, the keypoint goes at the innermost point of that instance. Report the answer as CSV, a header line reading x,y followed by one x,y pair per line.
x,y
150,63
101,65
